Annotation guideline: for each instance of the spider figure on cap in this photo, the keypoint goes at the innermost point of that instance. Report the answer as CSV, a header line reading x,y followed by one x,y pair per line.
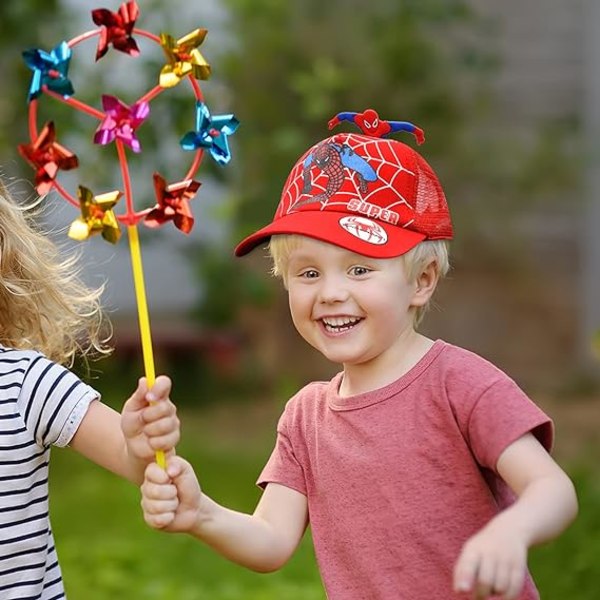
x,y
370,124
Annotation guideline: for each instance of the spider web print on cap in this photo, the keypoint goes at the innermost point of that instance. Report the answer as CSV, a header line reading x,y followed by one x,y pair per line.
x,y
374,196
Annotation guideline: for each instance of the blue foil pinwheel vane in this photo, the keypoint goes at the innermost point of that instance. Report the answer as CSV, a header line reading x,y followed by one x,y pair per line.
x,y
118,123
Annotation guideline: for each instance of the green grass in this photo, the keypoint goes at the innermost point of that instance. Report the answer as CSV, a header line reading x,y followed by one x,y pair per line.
x,y
568,568
107,551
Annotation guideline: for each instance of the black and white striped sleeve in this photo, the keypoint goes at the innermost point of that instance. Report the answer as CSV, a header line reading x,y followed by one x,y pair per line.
x,y
53,402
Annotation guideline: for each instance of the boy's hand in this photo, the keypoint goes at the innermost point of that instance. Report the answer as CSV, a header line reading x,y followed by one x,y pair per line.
x,y
171,498
492,563
149,420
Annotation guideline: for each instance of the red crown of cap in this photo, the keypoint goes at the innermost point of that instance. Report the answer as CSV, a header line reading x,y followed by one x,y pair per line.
x,y
373,196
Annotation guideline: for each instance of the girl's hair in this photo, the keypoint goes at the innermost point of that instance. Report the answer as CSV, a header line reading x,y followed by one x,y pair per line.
x,y
415,260
44,305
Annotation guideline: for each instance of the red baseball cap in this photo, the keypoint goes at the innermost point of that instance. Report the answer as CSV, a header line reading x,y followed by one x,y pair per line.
x,y
371,195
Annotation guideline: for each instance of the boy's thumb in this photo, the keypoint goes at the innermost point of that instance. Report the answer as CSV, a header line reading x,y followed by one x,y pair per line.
x,y
176,467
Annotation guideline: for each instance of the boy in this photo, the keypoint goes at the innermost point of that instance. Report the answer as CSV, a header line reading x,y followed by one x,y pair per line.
x,y
422,469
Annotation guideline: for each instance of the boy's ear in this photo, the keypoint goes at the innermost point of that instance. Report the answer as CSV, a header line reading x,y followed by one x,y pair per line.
x,y
425,284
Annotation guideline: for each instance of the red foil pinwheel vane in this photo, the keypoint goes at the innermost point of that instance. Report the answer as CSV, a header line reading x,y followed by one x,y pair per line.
x,y
117,123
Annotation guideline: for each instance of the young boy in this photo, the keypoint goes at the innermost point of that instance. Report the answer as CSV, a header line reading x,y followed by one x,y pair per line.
x,y
422,469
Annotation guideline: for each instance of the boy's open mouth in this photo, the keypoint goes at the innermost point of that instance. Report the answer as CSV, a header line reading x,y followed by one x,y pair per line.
x,y
339,324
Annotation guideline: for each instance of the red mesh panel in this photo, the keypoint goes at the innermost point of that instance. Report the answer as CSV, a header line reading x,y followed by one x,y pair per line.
x,y
431,206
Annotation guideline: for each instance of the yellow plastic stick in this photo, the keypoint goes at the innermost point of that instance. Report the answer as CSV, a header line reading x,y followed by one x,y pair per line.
x,y
144,321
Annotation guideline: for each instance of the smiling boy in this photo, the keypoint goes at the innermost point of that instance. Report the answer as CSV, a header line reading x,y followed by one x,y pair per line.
x,y
422,469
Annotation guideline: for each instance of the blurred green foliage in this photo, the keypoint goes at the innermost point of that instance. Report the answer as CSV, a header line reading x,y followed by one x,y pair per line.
x,y
32,23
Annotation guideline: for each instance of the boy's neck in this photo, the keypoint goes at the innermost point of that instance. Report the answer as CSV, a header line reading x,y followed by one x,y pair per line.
x,y
367,377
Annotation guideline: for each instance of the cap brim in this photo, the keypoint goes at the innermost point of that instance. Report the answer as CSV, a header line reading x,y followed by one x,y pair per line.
x,y
325,226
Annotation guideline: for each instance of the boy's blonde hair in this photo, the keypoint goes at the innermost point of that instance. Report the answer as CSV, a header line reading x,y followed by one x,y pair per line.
x,y
44,305
415,260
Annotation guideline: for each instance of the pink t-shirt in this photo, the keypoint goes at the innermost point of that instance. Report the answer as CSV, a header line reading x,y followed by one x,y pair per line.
x,y
397,479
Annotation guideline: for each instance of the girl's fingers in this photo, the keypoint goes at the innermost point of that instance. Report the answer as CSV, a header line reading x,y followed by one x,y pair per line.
x,y
161,426
160,390
167,442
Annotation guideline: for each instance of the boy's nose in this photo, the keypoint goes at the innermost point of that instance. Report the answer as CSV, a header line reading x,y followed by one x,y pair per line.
x,y
332,289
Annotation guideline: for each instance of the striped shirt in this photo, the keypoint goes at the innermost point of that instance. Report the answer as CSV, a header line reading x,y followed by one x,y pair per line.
x,y
41,404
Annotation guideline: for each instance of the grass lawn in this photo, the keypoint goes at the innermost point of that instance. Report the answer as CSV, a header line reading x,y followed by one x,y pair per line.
x,y
107,552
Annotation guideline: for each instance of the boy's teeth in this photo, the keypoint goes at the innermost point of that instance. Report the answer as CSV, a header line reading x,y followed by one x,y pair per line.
x,y
340,323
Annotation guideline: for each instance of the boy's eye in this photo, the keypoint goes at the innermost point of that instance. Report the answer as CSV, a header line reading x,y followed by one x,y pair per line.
x,y
310,274
358,271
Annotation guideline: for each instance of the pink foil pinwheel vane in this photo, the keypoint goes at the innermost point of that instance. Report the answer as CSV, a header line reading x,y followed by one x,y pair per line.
x,y
117,123
121,121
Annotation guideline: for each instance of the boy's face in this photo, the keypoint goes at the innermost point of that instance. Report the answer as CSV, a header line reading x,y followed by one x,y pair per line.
x,y
353,309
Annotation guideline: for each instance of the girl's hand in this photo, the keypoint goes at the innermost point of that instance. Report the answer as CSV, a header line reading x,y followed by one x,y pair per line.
x,y
171,498
493,563
149,420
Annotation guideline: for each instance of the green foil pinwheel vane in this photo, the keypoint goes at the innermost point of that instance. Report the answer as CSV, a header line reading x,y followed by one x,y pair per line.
x,y
117,123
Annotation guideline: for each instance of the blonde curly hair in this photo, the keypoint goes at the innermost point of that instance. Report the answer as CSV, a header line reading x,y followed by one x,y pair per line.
x,y
44,304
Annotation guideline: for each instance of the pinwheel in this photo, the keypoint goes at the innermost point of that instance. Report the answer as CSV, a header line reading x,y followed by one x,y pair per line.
x,y
121,121
48,157
97,216
211,133
49,70
117,124
184,58
117,29
173,203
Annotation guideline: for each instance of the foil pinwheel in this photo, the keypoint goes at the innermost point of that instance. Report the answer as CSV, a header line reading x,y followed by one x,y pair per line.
x,y
117,29
121,121
211,133
97,216
49,70
173,203
115,123
47,157
183,58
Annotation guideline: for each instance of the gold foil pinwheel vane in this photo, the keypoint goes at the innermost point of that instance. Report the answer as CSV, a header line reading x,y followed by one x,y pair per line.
x,y
97,216
183,58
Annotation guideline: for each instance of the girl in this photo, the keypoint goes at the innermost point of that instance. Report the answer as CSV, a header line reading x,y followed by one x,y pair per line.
x,y
48,316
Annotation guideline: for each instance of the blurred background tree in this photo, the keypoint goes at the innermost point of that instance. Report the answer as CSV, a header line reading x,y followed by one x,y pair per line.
x,y
292,65
285,69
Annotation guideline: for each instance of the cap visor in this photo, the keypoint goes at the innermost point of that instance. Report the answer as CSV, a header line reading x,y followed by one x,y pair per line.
x,y
325,226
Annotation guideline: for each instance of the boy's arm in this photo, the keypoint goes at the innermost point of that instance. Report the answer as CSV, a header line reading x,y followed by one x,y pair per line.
x,y
495,559
263,541
125,444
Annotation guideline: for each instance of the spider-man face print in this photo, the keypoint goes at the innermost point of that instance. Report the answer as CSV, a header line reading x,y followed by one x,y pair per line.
x,y
336,161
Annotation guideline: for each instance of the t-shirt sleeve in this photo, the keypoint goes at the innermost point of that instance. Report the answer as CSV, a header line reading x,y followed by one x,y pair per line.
x,y
283,466
501,415
53,402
